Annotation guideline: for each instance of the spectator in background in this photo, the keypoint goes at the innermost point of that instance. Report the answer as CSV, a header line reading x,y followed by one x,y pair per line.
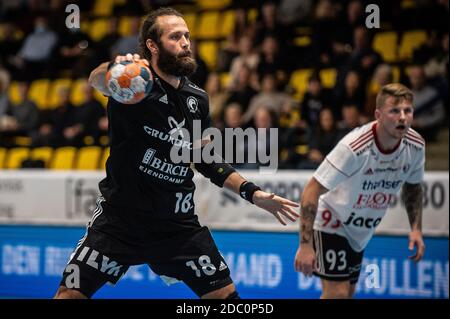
x,y
267,24
292,12
92,116
200,75
272,60
103,48
217,98
4,85
351,118
315,99
264,120
323,35
232,119
247,57
269,98
33,59
242,89
230,49
352,93
429,112
129,43
20,119
383,75
62,126
321,140
74,53
9,45
363,58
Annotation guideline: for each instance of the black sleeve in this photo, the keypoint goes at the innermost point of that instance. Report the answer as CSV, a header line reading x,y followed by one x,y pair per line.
x,y
217,172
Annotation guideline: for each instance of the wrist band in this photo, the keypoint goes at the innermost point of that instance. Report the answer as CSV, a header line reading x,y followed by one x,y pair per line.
x,y
247,189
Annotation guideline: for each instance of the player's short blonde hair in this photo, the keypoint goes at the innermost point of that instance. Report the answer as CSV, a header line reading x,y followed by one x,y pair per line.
x,y
396,90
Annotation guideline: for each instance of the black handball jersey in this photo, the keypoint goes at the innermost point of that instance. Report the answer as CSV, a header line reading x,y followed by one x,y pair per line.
x,y
140,171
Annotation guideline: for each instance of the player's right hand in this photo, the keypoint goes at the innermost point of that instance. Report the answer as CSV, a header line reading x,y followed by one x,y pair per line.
x,y
130,57
305,259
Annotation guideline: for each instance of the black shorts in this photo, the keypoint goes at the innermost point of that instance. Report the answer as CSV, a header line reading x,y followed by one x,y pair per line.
x,y
104,255
335,258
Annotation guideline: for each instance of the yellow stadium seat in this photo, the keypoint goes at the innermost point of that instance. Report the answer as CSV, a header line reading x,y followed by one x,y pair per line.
x,y
411,40
227,22
385,43
190,19
39,92
395,74
299,81
2,156
328,78
124,26
15,157
224,79
252,15
208,26
56,86
85,25
101,98
213,4
104,158
42,153
103,7
88,158
13,93
208,51
63,158
98,28
77,96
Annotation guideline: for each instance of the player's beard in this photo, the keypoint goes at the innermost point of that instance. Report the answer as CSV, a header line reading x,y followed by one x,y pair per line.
x,y
179,65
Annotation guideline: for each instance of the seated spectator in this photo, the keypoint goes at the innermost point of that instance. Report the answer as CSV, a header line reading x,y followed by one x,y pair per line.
x,y
243,89
351,118
272,60
269,98
247,57
200,75
62,126
129,43
4,98
93,116
103,48
73,53
315,99
429,112
33,58
382,76
257,150
20,119
232,119
352,93
321,140
217,98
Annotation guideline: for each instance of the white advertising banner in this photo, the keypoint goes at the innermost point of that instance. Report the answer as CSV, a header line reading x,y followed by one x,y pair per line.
x,y
68,198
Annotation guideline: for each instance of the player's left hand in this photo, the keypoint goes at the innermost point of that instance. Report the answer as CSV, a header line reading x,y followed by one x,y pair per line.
x,y
416,240
276,205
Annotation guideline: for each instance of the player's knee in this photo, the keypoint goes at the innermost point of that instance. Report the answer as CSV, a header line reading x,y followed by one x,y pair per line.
x,y
66,293
335,290
222,293
233,295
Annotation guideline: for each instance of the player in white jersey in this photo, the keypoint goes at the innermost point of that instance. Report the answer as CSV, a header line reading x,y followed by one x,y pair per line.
x,y
349,193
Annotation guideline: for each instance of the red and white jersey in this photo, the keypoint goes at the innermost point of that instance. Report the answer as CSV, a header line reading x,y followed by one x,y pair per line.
x,y
363,180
